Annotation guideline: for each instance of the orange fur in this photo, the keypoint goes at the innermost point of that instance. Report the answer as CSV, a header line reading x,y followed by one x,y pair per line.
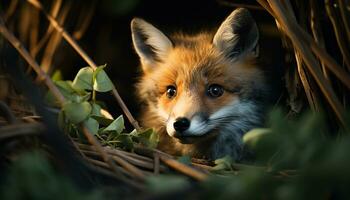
x,y
192,64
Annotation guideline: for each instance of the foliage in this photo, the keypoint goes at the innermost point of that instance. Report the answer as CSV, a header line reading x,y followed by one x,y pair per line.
x,y
295,160
82,107
32,177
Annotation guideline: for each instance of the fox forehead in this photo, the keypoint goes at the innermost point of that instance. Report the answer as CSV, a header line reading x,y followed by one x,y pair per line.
x,y
194,61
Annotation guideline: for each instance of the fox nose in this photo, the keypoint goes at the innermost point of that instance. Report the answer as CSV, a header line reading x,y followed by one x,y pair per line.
x,y
181,124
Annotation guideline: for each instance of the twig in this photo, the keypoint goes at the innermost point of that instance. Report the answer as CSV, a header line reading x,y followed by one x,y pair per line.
x,y
18,45
92,140
293,31
116,152
168,160
345,16
85,20
77,148
6,112
11,9
339,34
156,163
140,161
330,63
54,12
317,31
54,41
304,76
306,84
183,168
33,118
20,129
129,167
110,174
83,54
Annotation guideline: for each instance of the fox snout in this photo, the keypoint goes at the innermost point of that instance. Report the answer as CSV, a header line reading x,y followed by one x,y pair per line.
x,y
185,127
181,124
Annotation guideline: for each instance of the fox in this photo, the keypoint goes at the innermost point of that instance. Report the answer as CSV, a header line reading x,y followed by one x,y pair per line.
x,y
201,92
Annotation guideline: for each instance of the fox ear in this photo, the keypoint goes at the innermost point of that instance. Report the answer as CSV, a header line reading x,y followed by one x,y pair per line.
x,y
238,35
149,42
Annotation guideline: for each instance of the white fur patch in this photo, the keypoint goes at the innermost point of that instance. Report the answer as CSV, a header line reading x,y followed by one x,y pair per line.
x,y
224,117
170,127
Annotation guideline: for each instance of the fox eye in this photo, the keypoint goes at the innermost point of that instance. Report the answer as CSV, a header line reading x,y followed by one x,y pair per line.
x,y
215,90
171,91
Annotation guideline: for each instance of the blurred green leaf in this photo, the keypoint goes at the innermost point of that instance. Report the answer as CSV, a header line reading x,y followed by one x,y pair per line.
x,y
68,92
166,183
252,137
149,137
96,109
224,163
92,125
32,177
125,141
102,120
57,75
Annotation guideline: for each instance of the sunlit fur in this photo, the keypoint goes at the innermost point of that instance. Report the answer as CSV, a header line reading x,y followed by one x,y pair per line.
x,y
217,124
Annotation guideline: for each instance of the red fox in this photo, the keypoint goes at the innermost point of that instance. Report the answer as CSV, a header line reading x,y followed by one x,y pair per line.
x,y
201,92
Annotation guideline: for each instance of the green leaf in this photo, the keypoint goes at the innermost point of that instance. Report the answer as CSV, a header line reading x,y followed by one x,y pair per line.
x,y
145,134
71,93
51,100
84,79
166,183
134,133
117,125
96,109
77,112
65,86
82,98
102,83
102,120
125,141
252,137
223,163
149,137
92,125
57,75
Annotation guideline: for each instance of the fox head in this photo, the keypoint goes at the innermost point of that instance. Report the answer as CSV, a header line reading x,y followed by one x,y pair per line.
x,y
195,86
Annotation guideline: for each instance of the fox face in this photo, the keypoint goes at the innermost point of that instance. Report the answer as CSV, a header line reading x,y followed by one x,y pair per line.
x,y
201,92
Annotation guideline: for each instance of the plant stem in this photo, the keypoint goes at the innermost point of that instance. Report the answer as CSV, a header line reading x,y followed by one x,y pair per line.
x,y
83,54
25,54
300,41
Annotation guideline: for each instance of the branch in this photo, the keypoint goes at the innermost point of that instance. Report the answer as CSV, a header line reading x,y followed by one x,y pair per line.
x,y
338,31
17,44
83,54
25,54
302,43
